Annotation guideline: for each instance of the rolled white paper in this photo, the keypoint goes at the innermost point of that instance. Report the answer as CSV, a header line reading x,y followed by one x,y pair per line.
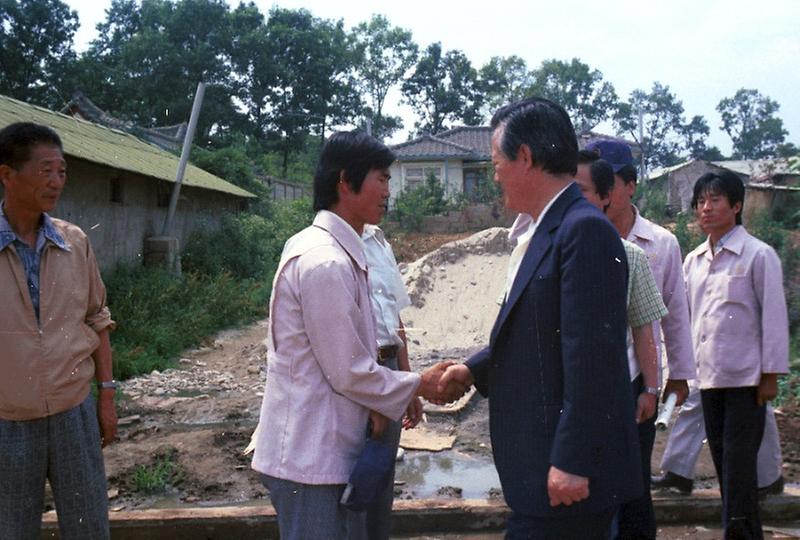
x,y
666,413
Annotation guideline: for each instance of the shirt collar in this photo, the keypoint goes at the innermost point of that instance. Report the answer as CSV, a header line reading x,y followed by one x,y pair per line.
x,y
373,231
344,234
520,226
733,241
524,225
642,228
7,234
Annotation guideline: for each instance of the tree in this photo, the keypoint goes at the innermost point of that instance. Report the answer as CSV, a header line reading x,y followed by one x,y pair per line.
x,y
504,79
695,133
663,126
313,85
443,89
36,37
385,54
750,120
579,89
147,60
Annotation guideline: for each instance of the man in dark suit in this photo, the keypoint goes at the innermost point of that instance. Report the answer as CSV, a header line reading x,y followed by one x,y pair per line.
x,y
555,371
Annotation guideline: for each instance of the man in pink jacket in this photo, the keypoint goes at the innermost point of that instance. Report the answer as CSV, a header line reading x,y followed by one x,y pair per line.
x,y
323,381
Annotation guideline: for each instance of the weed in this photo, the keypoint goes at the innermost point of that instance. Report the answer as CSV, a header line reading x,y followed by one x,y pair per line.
x,y
158,476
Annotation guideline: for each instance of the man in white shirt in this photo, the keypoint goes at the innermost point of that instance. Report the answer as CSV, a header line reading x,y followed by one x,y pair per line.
x,y
388,297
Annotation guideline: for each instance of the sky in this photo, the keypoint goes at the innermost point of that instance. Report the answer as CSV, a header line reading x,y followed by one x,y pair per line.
x,y
704,50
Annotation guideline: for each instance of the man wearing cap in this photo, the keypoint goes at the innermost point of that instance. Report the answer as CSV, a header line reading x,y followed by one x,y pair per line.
x,y
664,255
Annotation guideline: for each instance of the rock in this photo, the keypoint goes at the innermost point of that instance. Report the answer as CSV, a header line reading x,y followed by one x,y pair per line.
x,y
113,493
127,420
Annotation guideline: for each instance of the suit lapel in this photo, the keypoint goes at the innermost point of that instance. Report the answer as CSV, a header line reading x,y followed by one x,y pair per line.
x,y
540,244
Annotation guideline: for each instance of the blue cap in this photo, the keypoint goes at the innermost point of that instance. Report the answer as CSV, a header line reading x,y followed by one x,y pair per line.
x,y
617,153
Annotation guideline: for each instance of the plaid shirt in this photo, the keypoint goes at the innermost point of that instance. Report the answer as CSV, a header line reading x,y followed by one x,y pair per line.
x,y
30,256
644,299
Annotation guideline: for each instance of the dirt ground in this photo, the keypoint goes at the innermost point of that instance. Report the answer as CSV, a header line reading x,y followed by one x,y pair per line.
x,y
183,431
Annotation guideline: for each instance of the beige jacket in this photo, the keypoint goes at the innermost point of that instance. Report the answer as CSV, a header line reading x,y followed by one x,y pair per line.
x,y
48,369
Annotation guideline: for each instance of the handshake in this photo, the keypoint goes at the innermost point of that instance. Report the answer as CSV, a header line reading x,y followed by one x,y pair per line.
x,y
445,382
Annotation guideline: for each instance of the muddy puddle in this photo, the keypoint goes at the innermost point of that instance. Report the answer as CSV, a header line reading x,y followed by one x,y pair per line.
x,y
447,474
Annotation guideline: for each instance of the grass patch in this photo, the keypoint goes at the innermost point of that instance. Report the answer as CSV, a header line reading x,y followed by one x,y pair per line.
x,y
226,282
157,477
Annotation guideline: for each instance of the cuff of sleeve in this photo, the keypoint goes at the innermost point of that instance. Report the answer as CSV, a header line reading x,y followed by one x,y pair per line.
x,y
101,321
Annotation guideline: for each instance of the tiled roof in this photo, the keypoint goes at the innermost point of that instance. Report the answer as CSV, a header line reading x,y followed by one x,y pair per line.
x,y
758,170
463,142
477,138
113,148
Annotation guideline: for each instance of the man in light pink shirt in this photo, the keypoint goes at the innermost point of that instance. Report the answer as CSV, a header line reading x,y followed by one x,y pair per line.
x,y
740,332
323,382
636,518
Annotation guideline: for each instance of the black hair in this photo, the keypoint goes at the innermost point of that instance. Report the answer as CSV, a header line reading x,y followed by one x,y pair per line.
x,y
545,128
587,156
627,173
721,183
18,139
602,174
353,152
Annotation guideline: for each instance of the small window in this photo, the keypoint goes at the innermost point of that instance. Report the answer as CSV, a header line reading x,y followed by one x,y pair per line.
x,y
416,176
163,194
116,190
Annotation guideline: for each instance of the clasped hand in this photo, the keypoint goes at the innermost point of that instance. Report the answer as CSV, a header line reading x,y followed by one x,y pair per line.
x,y
445,382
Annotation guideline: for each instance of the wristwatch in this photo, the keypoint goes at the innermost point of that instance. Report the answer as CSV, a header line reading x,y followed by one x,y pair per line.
x,y
652,390
107,385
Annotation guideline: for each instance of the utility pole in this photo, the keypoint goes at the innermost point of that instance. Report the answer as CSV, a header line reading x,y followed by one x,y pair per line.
x,y
642,168
187,147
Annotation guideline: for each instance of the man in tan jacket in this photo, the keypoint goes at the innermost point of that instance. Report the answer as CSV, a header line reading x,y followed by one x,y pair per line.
x,y
54,328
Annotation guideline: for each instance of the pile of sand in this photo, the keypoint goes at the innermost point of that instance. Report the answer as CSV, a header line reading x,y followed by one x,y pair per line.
x,y
455,292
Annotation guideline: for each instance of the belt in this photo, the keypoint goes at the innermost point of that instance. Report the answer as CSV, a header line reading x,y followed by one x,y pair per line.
x,y
387,352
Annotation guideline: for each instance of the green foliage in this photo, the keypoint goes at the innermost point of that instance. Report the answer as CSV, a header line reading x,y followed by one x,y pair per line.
x,y
149,56
486,192
503,80
688,238
579,89
412,206
300,166
246,245
36,40
232,164
385,53
157,477
442,89
227,280
763,227
749,118
158,314
651,198
662,118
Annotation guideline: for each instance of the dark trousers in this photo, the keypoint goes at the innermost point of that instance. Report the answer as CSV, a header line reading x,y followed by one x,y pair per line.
x,y
577,527
63,449
635,519
734,427
378,518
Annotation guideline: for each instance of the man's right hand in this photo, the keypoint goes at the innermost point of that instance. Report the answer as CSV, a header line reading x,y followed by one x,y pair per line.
x,y
106,417
645,406
439,387
566,488
679,387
